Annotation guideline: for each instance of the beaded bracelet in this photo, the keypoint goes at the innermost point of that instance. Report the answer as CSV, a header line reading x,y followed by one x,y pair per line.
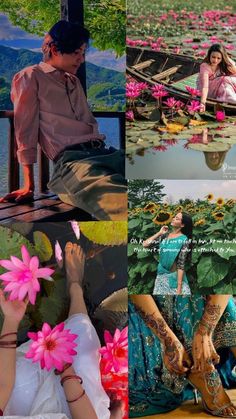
x,y
75,400
57,372
70,377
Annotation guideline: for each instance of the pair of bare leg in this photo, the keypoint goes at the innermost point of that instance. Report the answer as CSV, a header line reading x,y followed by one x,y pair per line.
x,y
74,262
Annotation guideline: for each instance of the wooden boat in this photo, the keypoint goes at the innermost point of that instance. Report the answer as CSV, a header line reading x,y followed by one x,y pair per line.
x,y
175,71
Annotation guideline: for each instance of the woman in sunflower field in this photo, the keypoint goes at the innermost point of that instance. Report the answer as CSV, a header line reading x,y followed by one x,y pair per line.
x,y
217,78
173,344
174,249
37,390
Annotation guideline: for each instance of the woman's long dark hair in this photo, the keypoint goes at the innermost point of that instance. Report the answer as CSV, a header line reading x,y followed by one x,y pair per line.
x,y
187,229
225,63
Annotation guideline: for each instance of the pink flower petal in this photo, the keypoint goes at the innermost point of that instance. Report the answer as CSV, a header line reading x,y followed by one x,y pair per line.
x,y
34,263
25,255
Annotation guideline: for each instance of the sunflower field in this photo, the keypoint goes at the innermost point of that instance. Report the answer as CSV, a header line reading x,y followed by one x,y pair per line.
x,y
212,268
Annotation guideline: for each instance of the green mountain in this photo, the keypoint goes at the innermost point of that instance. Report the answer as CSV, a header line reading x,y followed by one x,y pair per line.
x,y
105,87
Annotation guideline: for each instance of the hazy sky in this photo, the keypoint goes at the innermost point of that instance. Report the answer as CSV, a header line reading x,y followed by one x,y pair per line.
x,y
15,37
193,189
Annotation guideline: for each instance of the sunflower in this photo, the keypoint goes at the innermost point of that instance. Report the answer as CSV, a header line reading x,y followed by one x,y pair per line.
x,y
209,197
163,217
230,202
165,205
153,211
220,201
149,206
200,222
218,215
179,208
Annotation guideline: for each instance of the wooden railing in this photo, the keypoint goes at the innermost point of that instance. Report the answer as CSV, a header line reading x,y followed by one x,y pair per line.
x,y
43,162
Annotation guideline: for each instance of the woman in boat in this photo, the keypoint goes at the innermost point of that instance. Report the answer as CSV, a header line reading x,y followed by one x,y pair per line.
x,y
174,249
217,78
172,343
27,391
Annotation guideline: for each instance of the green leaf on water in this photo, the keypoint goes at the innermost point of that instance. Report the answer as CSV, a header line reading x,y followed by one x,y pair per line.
x,y
43,246
211,147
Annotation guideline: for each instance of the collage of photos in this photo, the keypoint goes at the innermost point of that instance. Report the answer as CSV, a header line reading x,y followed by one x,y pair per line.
x,y
117,209
181,171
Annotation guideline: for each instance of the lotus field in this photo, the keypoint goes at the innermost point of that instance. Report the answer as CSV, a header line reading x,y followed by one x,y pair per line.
x,y
155,119
213,260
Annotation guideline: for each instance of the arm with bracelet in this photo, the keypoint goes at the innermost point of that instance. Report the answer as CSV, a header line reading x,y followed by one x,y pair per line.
x,y
203,351
174,355
13,312
78,401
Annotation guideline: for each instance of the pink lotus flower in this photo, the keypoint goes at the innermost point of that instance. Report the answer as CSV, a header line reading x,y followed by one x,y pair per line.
x,y
129,115
220,116
159,91
193,92
58,254
52,347
23,275
115,353
160,148
179,104
194,106
75,228
132,90
170,102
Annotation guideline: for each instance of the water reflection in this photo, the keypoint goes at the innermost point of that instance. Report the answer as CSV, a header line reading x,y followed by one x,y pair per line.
x,y
177,158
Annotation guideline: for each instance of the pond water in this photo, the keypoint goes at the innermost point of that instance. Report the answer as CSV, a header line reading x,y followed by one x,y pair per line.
x,y
178,162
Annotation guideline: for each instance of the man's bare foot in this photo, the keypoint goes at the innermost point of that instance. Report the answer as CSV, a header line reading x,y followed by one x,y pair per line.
x,y
74,264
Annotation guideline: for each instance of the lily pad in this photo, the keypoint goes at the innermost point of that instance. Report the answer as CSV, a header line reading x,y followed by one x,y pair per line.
x,y
107,233
230,140
10,244
211,147
43,246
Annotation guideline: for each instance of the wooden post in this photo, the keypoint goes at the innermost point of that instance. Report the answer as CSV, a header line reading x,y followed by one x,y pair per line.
x,y
73,11
43,166
13,165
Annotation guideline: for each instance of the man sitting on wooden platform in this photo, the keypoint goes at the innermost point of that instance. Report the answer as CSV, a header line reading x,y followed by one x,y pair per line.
x,y
50,108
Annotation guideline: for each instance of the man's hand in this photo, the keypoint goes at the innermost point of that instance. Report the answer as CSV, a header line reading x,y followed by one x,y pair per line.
x,y
20,195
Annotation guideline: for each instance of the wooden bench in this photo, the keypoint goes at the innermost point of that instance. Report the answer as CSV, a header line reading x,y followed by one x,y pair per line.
x,y
45,206
141,66
167,73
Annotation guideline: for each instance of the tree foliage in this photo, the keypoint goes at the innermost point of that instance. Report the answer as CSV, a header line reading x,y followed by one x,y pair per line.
x,y
105,19
143,191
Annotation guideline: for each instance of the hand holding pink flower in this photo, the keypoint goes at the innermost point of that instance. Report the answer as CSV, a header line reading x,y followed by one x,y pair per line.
x,y
52,347
23,275
115,353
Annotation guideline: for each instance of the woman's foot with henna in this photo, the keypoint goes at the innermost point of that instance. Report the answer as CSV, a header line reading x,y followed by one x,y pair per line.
x,y
74,264
214,397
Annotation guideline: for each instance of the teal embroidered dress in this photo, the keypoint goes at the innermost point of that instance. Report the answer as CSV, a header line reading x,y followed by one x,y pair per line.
x,y
171,250
152,389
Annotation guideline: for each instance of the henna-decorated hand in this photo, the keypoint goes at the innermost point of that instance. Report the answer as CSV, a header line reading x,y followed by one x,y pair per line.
x,y
203,351
175,356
